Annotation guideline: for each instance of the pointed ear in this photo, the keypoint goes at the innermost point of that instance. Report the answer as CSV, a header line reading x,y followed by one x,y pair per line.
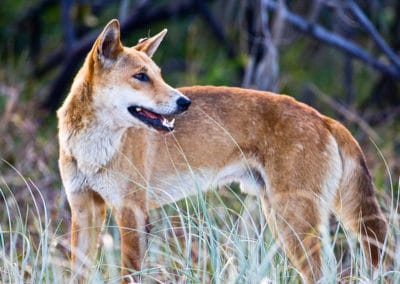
x,y
150,45
108,44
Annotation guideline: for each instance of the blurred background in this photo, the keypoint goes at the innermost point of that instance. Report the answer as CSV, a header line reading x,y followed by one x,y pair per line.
x,y
340,56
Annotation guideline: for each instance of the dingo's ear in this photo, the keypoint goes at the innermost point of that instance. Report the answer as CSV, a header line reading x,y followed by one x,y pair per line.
x,y
108,44
150,45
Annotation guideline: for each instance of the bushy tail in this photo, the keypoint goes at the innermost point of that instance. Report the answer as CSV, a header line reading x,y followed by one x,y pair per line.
x,y
355,202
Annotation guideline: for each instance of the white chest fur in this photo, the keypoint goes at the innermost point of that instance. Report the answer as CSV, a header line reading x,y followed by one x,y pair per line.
x,y
92,148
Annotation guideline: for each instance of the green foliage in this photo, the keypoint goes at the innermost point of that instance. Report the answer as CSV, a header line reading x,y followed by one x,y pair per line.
x,y
323,67
9,10
204,61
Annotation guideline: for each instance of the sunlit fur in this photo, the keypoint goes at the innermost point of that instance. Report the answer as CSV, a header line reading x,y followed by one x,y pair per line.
x,y
301,164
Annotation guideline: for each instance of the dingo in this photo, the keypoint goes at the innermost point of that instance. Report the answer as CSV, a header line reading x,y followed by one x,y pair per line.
x,y
124,143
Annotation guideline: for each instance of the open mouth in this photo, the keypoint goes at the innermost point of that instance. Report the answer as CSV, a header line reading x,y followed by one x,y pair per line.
x,y
152,119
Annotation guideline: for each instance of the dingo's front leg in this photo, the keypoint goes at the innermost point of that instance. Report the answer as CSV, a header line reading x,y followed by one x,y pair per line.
x,y
88,213
133,225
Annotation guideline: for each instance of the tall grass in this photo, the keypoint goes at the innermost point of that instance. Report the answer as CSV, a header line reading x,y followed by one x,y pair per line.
x,y
220,237
27,238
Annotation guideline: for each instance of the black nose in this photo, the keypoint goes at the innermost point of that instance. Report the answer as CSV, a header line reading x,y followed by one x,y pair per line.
x,y
183,103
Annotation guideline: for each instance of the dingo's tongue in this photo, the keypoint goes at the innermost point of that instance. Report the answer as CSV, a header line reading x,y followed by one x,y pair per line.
x,y
151,114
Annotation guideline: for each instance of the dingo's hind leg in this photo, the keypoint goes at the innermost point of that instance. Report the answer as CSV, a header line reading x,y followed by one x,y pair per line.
x,y
294,222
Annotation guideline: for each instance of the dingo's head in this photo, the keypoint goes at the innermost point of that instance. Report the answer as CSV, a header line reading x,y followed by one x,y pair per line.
x,y
127,86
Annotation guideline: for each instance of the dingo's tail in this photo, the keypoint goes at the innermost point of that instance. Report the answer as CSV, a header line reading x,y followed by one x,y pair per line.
x,y
355,201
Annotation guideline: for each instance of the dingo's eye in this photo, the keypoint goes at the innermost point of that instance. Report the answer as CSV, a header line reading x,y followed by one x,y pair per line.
x,y
141,77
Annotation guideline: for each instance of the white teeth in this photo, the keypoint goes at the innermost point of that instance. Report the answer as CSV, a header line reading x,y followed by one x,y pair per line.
x,y
168,124
138,109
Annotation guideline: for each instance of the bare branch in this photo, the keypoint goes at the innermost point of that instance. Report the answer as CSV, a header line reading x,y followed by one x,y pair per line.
x,y
262,68
335,40
123,10
374,33
67,25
